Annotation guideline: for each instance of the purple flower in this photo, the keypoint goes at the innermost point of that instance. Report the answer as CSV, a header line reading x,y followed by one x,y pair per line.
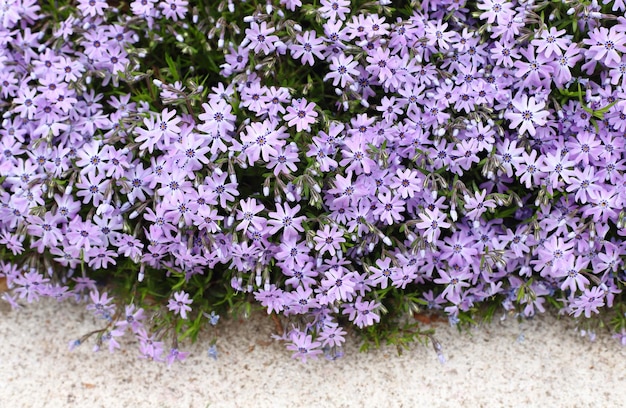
x,y
101,305
260,38
132,319
174,9
247,215
432,222
180,304
303,346
176,355
307,46
529,114
285,218
588,302
149,347
332,336
499,11
271,298
292,252
605,43
46,229
339,285
301,114
328,240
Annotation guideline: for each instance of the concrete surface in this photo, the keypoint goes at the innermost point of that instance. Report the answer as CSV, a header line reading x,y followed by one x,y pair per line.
x,y
550,365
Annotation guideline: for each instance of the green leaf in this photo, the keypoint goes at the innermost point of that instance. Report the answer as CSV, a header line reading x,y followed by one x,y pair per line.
x,y
172,67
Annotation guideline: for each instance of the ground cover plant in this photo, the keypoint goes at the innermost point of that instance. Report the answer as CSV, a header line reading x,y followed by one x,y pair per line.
x,y
343,165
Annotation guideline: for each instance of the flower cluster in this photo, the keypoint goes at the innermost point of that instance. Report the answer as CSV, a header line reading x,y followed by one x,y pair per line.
x,y
343,161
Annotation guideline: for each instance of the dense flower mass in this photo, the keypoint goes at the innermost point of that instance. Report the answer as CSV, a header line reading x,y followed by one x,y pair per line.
x,y
333,162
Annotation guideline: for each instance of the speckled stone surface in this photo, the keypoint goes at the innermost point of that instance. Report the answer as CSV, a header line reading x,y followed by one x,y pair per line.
x,y
489,366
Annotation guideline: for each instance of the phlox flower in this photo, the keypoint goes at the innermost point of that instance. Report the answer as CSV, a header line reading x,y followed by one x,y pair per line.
x,y
217,118
285,218
92,8
455,282
389,208
271,298
301,114
459,248
602,205
260,37
46,229
129,246
557,166
30,285
137,185
285,159
100,257
437,35
224,192
174,9
180,304
149,347
83,234
207,219
550,42
293,253
582,183
503,53
407,182
328,240
334,9
588,302
604,44
247,215
555,254
609,260
300,301
499,11
345,191
90,157
533,70
528,169
332,336
260,140
362,312
528,113
161,129
355,155
303,346
92,188
307,46
477,205
564,63
26,102
175,355
101,304
432,222
339,285
342,70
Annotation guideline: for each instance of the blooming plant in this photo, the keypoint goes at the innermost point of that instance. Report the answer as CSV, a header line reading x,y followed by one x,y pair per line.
x,y
343,165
